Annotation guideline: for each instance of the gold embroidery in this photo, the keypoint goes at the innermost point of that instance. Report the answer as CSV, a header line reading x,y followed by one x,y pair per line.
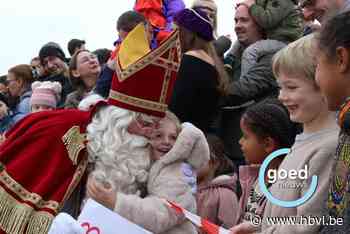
x,y
339,183
337,207
343,110
76,178
15,216
24,194
155,106
40,222
74,142
19,217
345,155
167,64
166,80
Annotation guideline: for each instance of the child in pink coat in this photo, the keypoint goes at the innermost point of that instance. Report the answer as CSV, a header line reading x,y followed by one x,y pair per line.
x,y
266,127
216,196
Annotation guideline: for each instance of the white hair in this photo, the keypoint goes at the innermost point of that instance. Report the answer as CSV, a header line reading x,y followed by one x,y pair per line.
x,y
89,101
121,159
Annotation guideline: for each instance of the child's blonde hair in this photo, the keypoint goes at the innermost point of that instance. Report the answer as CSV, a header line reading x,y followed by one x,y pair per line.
x,y
172,117
296,59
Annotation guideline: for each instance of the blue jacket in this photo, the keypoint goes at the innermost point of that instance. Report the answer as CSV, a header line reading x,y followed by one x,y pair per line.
x,y
5,124
103,84
23,107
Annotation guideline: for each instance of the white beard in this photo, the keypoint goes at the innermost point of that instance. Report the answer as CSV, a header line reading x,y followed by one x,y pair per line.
x,y
120,158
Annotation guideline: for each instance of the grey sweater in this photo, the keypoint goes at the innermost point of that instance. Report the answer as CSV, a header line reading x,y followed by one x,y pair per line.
x,y
315,150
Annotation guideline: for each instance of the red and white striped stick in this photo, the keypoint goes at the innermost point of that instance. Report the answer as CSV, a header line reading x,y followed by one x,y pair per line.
x,y
204,224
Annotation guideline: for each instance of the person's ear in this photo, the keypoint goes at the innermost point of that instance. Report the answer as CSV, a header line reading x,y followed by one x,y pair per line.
x,y
342,58
269,145
75,73
20,82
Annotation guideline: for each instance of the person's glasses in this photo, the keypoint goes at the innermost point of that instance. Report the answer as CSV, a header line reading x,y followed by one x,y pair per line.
x,y
88,58
8,81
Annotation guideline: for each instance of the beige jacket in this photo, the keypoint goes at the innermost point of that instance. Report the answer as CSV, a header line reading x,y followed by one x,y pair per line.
x,y
317,152
169,179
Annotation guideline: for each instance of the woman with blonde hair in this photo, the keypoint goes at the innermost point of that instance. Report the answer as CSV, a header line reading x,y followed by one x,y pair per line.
x,y
202,79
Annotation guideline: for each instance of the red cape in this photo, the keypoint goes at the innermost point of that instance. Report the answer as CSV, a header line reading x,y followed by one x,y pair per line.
x,y
42,161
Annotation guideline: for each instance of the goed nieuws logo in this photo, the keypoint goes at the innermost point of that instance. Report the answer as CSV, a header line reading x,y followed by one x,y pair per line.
x,y
283,174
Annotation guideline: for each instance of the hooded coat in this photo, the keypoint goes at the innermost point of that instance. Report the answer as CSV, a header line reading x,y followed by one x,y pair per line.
x,y
169,178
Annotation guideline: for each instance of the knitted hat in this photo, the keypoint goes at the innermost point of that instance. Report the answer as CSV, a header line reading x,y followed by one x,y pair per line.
x,y
51,49
46,93
195,20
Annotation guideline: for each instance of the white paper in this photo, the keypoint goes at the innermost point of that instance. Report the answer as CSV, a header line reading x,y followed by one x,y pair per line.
x,y
65,224
97,219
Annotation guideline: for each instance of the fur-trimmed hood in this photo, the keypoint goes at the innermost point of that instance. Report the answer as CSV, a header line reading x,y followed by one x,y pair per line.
x,y
191,146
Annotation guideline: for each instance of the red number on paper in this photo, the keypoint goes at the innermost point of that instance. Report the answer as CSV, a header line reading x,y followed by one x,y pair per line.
x,y
90,229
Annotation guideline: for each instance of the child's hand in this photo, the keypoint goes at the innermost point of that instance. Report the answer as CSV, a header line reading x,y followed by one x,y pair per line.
x,y
141,128
243,228
103,194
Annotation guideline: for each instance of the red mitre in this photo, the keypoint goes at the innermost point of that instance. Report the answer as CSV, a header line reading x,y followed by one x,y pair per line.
x,y
41,162
146,85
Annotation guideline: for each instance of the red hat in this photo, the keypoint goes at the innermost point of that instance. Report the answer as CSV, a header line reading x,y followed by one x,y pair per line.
x,y
145,79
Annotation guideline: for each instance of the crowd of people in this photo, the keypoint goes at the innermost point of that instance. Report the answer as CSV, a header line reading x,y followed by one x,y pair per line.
x,y
176,112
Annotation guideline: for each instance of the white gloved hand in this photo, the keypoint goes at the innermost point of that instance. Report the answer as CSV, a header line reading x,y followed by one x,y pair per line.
x,y
65,224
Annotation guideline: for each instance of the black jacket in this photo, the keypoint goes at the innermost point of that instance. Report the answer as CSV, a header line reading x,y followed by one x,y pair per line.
x,y
195,97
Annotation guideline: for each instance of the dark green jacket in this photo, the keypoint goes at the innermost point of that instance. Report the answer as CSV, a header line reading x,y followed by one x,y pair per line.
x,y
257,84
232,64
280,19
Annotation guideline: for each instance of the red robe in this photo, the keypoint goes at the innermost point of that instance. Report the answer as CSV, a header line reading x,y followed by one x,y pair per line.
x,y
42,161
